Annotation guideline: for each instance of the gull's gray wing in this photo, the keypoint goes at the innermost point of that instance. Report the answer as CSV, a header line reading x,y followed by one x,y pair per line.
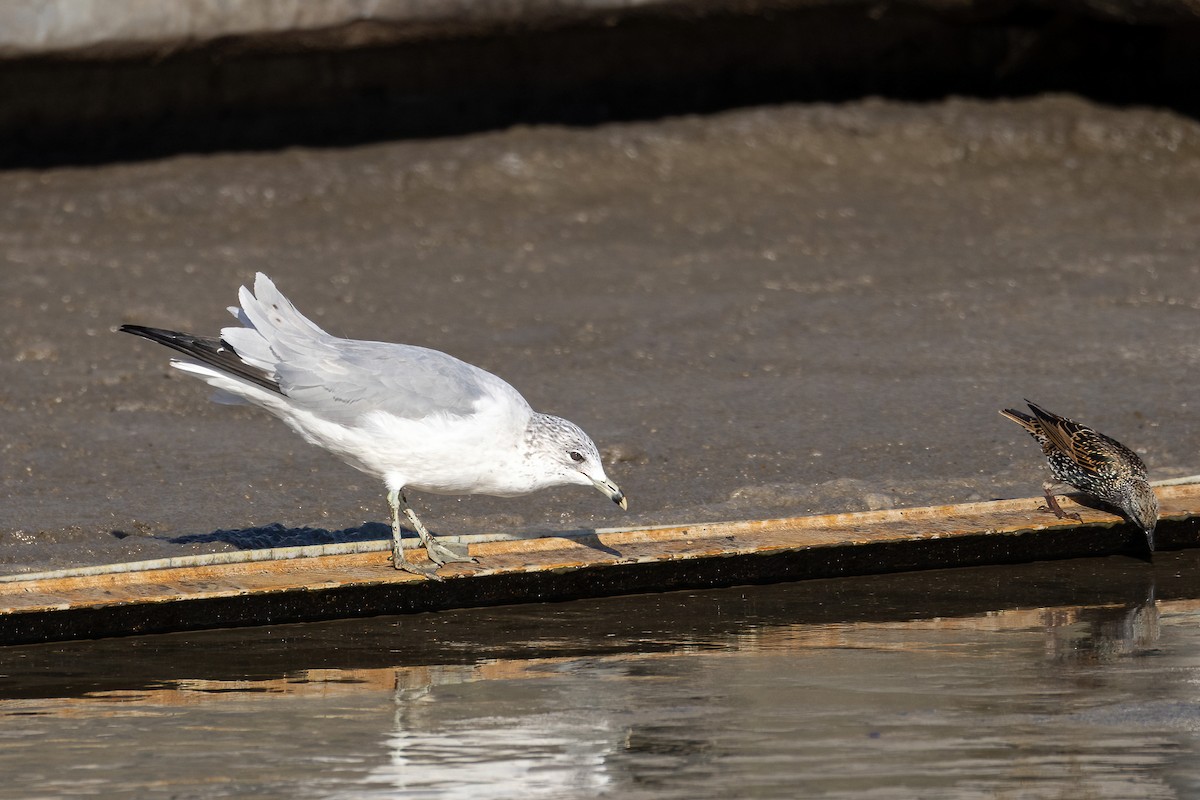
x,y
342,379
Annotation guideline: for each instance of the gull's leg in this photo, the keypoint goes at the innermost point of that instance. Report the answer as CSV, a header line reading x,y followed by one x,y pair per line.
x,y
398,559
438,553
1053,506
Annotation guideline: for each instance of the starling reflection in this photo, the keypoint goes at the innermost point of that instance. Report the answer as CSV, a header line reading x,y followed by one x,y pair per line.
x,y
1092,463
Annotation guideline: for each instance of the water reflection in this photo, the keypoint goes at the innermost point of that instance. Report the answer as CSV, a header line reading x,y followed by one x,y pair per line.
x,y
959,683
1102,633
517,754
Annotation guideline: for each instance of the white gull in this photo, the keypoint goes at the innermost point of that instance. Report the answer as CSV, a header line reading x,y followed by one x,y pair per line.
x,y
416,418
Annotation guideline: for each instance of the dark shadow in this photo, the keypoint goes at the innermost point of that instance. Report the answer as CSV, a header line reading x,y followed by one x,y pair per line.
x,y
593,541
279,535
1138,547
253,94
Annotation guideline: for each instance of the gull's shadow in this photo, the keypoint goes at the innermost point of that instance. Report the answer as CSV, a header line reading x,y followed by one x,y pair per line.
x,y
585,536
279,535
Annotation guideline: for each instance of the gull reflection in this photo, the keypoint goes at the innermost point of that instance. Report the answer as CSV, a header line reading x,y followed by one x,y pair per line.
x,y
499,750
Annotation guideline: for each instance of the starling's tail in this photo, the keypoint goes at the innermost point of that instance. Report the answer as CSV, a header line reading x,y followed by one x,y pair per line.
x,y
1024,420
207,350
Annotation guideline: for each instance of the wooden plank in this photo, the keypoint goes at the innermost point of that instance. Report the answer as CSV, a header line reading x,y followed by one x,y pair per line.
x,y
189,596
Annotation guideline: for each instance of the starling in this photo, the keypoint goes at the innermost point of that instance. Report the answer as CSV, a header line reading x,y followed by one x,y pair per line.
x,y
1092,463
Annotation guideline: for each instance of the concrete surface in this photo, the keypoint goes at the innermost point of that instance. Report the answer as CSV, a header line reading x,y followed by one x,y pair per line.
x,y
762,313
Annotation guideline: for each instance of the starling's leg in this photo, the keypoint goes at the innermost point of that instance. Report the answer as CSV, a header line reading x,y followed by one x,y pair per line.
x,y
1053,506
398,559
438,553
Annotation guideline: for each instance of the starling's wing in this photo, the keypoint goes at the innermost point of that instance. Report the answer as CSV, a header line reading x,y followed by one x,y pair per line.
x,y
1074,440
1137,467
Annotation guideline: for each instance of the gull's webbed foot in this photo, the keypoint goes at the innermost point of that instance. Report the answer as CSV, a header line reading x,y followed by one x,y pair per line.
x,y
440,553
399,561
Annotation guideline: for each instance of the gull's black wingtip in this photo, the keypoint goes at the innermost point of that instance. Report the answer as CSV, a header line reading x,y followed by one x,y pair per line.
x,y
206,349
160,335
154,334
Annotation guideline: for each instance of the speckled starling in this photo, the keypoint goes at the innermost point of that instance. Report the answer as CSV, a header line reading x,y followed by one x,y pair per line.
x,y
1092,463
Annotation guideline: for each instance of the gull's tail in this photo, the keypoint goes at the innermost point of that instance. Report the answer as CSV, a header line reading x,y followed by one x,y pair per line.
x,y
246,359
272,327
216,353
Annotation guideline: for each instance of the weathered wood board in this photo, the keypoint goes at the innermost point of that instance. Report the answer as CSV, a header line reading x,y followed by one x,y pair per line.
x,y
297,586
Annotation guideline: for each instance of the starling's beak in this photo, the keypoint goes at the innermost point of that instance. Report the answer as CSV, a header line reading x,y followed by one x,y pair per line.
x,y
612,492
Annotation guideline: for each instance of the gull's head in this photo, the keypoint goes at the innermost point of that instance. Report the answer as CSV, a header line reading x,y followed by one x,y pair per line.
x,y
570,456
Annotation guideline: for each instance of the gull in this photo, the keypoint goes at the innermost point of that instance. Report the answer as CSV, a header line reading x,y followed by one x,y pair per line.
x,y
414,417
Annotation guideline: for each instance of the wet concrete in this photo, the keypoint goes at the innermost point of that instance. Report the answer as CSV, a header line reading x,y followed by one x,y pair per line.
x,y
759,313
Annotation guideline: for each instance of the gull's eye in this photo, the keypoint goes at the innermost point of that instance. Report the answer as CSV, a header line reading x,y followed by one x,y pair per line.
x,y
576,456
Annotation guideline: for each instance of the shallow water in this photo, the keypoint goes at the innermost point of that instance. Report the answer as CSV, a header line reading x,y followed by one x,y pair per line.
x,y
1070,679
